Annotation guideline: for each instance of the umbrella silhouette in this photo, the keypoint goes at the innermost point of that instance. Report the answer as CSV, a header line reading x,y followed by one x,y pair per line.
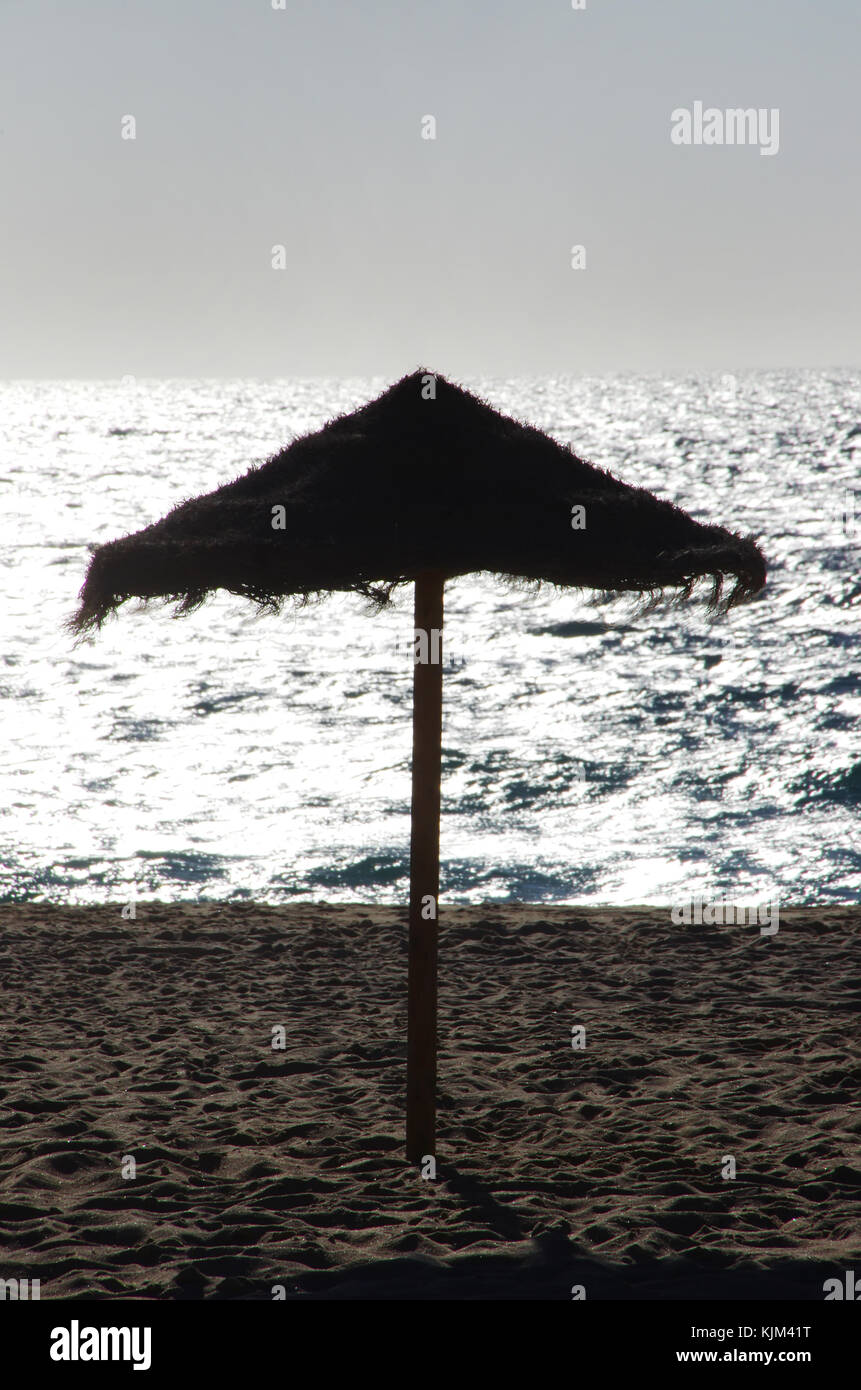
x,y
420,485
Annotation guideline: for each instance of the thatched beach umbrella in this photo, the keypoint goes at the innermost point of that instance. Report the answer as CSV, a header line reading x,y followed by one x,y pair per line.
x,y
420,485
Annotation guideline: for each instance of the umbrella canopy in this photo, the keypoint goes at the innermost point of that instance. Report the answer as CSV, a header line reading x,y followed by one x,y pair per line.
x,y
411,483
422,484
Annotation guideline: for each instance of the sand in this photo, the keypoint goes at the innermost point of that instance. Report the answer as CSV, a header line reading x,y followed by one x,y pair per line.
x,y
259,1168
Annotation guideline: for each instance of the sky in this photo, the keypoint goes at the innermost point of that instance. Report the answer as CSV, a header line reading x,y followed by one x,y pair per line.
x,y
304,127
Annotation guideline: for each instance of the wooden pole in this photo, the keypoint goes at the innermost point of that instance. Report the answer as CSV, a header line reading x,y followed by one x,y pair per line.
x,y
424,868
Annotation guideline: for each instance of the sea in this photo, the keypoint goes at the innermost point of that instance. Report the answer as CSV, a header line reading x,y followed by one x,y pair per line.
x,y
593,752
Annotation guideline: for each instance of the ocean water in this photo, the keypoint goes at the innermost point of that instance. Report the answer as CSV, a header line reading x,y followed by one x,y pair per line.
x,y
592,753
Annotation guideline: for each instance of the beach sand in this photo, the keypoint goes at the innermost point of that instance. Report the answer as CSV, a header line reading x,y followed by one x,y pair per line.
x,y
258,1167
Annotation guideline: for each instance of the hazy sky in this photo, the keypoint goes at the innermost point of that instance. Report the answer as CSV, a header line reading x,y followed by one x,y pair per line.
x,y
302,127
